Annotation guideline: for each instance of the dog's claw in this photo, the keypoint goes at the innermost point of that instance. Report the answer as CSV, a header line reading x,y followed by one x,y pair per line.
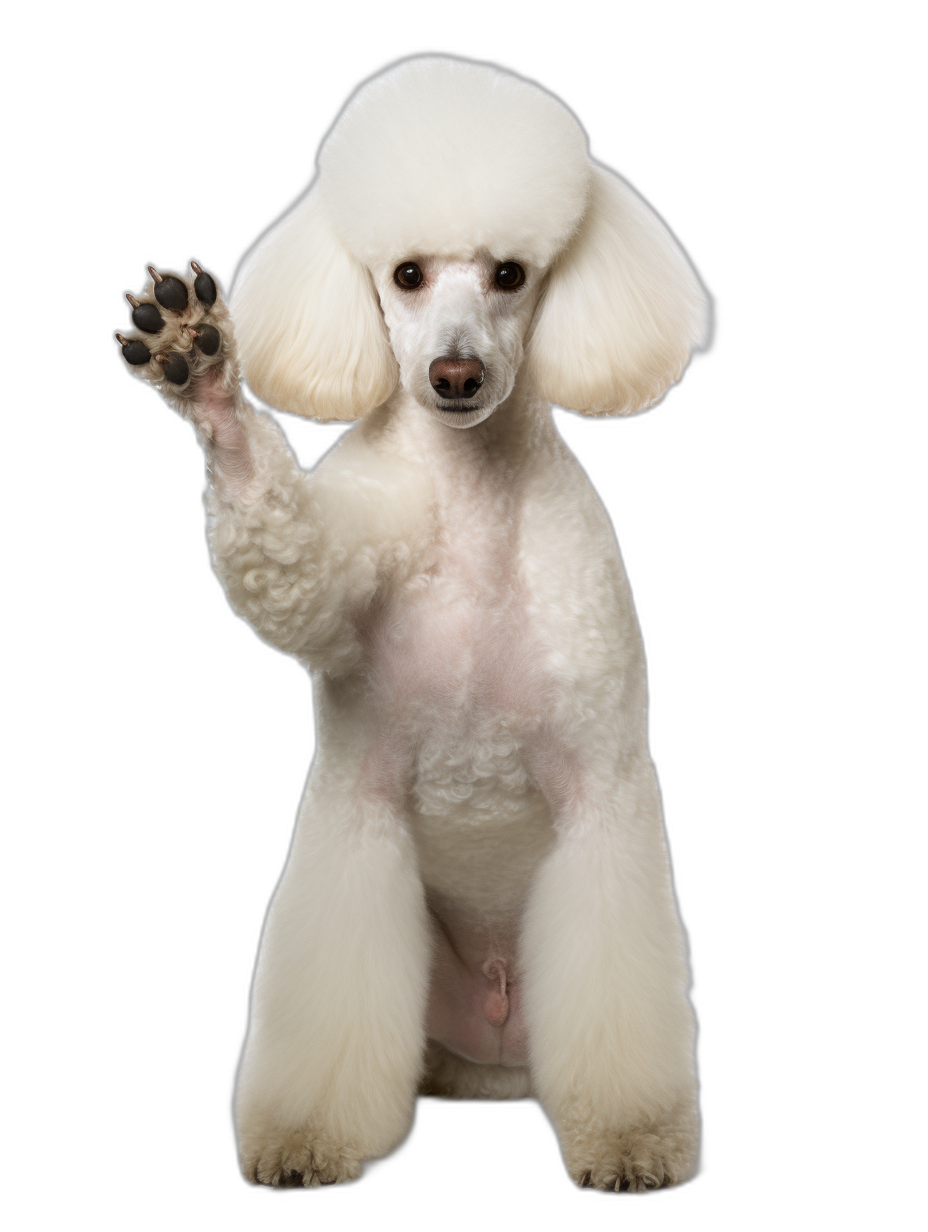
x,y
132,300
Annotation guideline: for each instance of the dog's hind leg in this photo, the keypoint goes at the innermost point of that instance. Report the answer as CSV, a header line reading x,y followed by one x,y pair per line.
x,y
610,1028
335,1045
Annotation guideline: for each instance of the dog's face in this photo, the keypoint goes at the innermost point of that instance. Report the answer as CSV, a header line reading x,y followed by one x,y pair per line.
x,y
457,329
348,296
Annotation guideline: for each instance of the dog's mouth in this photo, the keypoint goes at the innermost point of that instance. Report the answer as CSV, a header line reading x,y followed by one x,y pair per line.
x,y
461,414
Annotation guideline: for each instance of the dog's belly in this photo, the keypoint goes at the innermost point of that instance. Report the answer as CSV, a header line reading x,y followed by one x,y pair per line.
x,y
477,866
462,693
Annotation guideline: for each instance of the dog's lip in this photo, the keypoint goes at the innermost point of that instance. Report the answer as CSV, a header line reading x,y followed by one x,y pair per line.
x,y
458,406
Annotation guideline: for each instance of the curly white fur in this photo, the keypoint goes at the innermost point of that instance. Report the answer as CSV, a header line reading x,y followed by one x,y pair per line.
x,y
480,857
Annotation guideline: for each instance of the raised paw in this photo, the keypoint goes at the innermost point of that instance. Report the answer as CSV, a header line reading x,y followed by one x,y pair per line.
x,y
184,332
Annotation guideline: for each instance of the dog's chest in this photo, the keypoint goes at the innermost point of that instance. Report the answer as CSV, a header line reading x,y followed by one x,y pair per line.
x,y
455,658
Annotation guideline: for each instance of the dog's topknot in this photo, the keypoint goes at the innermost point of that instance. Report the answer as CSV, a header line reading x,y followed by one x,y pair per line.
x,y
443,156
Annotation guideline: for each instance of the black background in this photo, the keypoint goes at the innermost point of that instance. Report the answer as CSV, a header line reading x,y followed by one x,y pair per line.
x,y
194,739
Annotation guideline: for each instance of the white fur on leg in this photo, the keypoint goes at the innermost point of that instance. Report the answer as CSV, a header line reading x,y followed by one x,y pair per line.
x,y
335,1048
610,1026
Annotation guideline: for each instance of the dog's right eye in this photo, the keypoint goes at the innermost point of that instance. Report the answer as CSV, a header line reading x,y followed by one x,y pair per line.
x,y
408,276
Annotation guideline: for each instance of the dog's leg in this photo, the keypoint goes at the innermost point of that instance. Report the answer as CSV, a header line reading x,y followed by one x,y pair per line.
x,y
336,1041
610,1027
278,548
183,346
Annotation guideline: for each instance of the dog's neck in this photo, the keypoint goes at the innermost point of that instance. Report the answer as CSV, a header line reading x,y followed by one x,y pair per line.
x,y
477,479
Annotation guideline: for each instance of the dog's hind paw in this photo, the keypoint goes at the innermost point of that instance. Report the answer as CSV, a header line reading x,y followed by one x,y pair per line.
x,y
287,1159
638,1158
184,331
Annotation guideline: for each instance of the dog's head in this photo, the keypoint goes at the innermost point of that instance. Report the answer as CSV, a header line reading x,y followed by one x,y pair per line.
x,y
458,232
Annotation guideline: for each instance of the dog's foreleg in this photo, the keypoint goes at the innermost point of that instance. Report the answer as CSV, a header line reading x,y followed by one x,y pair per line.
x,y
278,550
610,1027
336,1041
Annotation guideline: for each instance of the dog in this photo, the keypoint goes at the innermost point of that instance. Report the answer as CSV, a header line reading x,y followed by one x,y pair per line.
x,y
478,899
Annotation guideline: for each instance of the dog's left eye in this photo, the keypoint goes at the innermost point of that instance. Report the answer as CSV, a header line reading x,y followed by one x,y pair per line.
x,y
509,276
408,275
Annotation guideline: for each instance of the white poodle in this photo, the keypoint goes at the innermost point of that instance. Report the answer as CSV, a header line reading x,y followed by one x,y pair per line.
x,y
478,899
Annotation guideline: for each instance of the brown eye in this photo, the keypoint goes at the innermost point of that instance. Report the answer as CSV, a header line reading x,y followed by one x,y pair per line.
x,y
408,276
509,276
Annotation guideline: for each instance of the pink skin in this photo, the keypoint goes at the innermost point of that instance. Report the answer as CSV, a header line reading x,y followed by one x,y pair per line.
x,y
216,414
474,1006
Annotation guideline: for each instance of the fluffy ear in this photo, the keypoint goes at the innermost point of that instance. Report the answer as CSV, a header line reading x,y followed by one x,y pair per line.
x,y
621,312
308,323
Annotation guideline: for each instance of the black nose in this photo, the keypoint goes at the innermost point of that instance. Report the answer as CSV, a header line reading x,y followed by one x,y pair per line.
x,y
456,378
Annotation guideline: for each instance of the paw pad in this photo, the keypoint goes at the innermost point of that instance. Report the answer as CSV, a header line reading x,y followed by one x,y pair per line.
x,y
203,286
206,339
135,352
170,292
145,317
174,367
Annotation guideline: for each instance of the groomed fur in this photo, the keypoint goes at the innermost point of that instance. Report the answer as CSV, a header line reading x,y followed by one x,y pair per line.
x,y
440,157
312,335
621,312
461,157
482,798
